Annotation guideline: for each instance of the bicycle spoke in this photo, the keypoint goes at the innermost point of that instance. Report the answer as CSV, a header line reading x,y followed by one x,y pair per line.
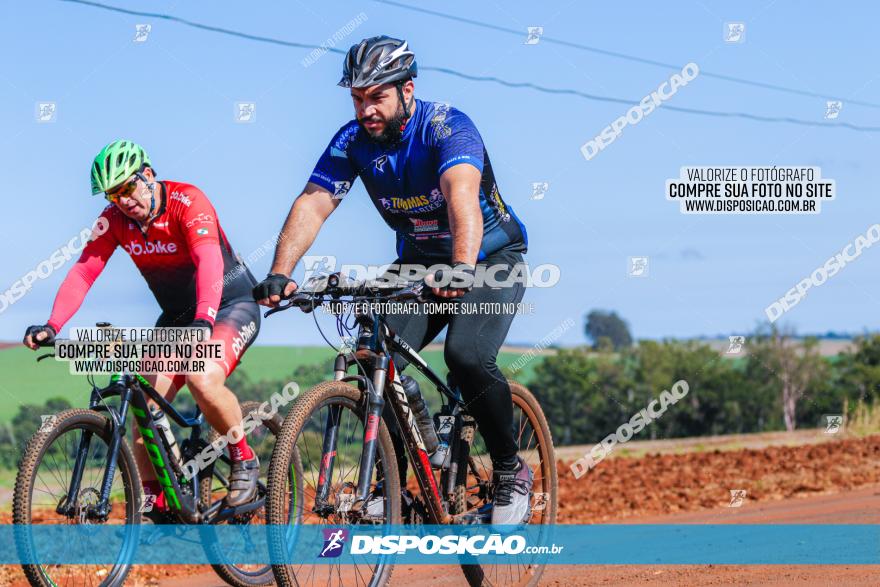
x,y
51,478
349,429
531,447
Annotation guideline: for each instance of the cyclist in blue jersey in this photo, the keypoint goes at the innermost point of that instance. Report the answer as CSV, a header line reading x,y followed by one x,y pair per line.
x,y
428,174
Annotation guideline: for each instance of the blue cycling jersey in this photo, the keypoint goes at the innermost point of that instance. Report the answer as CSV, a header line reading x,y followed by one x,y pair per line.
x,y
404,182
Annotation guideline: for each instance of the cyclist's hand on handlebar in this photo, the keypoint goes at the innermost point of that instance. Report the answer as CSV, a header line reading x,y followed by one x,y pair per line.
x,y
452,284
37,336
202,323
273,289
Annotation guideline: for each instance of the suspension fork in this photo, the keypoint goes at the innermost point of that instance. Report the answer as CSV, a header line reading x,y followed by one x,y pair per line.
x,y
375,405
102,509
328,458
66,505
340,367
328,445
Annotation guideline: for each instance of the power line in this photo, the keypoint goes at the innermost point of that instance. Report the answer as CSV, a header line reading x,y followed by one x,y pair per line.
x,y
598,98
492,79
199,25
624,56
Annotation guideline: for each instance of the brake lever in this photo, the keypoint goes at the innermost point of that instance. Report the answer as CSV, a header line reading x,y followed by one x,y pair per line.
x,y
291,302
421,293
46,356
279,308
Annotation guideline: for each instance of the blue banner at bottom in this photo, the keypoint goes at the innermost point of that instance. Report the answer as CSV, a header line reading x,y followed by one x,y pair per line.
x,y
722,544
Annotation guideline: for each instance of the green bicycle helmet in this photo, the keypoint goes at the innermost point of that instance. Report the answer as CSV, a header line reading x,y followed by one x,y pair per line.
x,y
115,163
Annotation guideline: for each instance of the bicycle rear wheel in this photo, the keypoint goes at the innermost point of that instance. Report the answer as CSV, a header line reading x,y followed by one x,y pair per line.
x,y
292,492
473,487
44,476
262,441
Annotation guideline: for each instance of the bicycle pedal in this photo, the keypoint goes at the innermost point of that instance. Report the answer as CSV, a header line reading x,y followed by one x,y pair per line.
x,y
473,518
152,534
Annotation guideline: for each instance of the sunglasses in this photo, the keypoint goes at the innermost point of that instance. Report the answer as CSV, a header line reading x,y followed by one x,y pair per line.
x,y
123,191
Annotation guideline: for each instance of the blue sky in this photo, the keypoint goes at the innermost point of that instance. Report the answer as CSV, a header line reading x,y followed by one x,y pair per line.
x,y
175,93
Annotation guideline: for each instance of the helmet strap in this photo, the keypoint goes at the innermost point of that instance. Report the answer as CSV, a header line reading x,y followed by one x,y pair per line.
x,y
152,187
406,106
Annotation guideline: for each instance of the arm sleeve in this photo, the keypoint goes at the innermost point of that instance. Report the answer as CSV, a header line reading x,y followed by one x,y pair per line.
x,y
458,141
81,276
209,272
202,232
334,171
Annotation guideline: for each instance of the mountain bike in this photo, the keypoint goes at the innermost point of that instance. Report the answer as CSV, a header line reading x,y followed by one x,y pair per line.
x,y
349,470
78,468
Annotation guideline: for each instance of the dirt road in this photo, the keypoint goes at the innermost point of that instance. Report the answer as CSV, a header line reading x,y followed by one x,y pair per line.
x,y
833,481
853,507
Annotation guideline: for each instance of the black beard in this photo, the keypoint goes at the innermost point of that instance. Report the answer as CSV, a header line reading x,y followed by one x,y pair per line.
x,y
392,133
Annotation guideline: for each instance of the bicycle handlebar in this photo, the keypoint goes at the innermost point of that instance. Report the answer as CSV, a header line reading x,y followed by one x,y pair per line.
x,y
361,291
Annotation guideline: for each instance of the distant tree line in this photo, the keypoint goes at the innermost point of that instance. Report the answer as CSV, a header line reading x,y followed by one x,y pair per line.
x,y
776,382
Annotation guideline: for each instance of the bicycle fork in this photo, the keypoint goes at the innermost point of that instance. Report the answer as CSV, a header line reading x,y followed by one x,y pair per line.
x,y
67,506
101,510
375,405
383,371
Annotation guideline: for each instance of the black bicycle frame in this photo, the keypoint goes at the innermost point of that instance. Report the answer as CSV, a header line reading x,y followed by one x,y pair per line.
x,y
133,391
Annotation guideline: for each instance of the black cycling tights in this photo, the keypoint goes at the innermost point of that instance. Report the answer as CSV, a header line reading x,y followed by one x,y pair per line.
x,y
472,343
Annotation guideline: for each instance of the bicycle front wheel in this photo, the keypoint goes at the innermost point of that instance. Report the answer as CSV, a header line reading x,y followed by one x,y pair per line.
x,y
293,499
44,476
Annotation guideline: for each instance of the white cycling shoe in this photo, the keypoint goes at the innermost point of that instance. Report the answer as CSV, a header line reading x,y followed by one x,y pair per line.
x,y
512,495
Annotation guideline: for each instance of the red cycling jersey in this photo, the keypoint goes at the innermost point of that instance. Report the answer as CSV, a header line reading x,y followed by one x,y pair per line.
x,y
184,256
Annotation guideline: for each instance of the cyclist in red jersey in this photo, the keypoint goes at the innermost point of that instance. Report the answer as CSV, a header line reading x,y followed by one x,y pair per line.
x,y
172,233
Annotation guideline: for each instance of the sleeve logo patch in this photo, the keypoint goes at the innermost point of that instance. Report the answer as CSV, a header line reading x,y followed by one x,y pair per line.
x,y
202,218
340,188
202,231
438,121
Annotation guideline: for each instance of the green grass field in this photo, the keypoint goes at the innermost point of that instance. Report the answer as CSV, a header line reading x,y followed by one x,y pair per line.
x,y
24,381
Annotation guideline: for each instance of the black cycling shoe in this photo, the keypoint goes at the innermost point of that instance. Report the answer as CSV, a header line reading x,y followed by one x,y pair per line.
x,y
243,482
156,516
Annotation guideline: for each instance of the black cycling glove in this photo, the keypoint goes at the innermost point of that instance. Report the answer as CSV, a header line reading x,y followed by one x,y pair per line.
x,y
273,285
462,277
202,323
34,330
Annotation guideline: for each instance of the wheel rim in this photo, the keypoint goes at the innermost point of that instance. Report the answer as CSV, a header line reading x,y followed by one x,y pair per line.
x,y
50,480
302,483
